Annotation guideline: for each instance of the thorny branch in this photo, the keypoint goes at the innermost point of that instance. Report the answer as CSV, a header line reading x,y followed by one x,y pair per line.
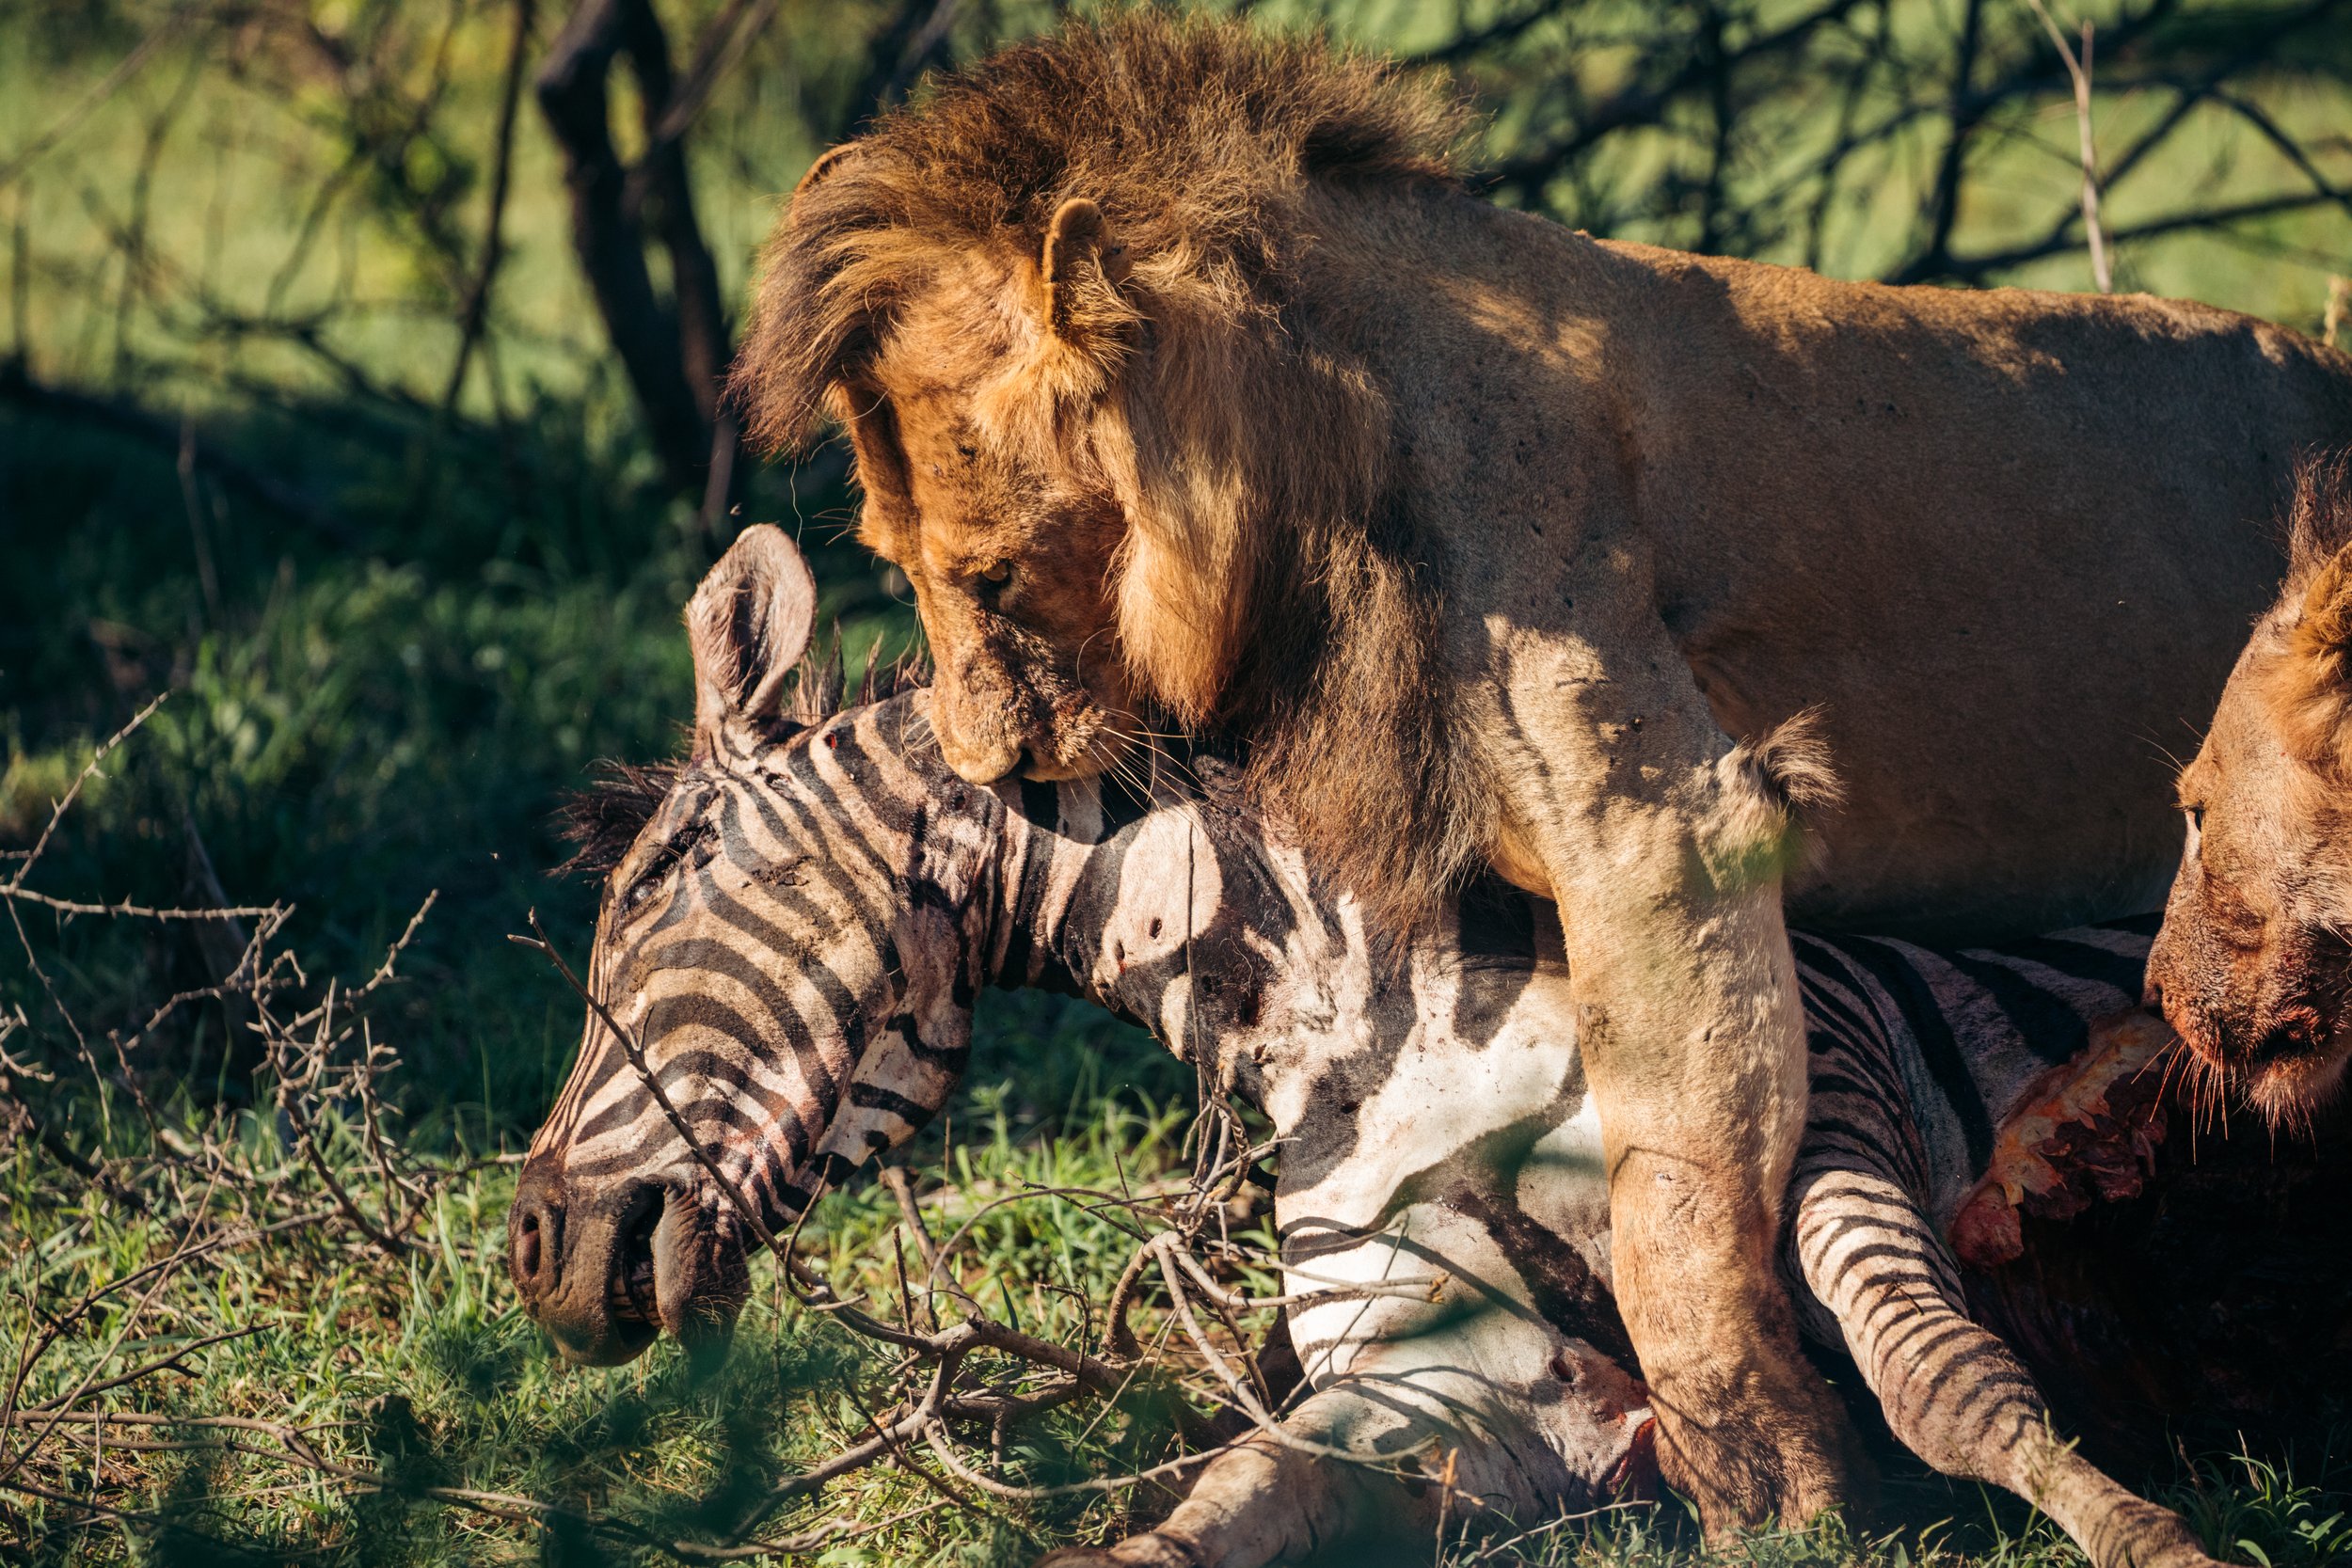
x,y
340,1179
220,1194
1176,1234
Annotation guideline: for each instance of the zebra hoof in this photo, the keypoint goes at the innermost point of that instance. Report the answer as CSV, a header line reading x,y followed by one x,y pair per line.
x,y
2147,1535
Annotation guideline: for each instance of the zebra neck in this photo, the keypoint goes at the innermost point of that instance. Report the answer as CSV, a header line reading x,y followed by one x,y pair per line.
x,y
1177,914
1051,834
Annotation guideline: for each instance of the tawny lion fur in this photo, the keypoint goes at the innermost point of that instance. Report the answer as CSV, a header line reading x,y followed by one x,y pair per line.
x,y
1185,382
1247,558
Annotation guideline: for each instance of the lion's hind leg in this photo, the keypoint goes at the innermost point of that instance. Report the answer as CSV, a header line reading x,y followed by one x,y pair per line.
x,y
1954,1392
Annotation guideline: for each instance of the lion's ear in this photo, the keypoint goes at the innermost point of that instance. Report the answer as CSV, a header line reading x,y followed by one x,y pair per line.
x,y
1079,272
2323,630
2307,691
748,624
828,163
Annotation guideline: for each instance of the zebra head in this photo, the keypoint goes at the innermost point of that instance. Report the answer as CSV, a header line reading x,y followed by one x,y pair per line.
x,y
789,945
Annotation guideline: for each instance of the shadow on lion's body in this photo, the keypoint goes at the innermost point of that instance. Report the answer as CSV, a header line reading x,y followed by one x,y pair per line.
x,y
2206,1309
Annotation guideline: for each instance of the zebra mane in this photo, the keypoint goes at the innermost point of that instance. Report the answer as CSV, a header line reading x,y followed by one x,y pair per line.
x,y
601,820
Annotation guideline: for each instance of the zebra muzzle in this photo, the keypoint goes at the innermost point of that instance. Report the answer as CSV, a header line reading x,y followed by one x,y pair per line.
x,y
606,1270
695,1269
582,1262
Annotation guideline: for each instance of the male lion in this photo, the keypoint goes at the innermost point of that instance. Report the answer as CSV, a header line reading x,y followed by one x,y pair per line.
x,y
1184,378
2253,965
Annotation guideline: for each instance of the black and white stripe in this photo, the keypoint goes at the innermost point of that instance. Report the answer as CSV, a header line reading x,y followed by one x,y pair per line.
x,y
799,934
1917,1059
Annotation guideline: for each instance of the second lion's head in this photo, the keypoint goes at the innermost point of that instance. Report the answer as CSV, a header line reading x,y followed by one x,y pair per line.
x,y
2255,963
1061,305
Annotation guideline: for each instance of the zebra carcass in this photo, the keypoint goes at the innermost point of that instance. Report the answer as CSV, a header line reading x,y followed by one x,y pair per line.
x,y
798,920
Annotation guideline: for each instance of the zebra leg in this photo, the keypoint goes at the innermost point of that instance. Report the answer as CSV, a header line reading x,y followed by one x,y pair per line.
x,y
1466,1407
1265,1502
1954,1392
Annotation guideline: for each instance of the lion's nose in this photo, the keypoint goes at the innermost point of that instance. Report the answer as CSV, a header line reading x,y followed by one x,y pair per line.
x,y
983,764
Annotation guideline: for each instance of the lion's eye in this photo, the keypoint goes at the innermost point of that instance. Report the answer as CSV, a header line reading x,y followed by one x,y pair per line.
x,y
998,572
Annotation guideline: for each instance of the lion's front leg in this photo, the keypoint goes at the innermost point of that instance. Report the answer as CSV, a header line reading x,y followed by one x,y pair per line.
x,y
1663,846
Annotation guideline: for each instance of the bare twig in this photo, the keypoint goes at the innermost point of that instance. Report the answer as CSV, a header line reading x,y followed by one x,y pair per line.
x,y
476,310
2079,72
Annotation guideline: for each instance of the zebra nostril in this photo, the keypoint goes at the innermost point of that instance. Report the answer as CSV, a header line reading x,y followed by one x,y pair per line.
x,y
534,1240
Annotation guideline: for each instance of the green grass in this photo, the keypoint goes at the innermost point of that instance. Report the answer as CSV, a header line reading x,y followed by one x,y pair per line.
x,y
350,730
424,1372
422,1368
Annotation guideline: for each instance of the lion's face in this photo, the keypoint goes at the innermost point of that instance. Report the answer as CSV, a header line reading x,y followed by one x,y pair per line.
x,y
2253,966
1011,559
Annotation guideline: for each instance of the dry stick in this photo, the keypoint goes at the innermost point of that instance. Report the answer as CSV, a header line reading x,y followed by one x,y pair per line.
x,y
477,307
135,912
1445,1503
161,1363
81,1044
306,1139
2078,69
1266,1424
413,1196
208,580
1424,1288
73,791
894,1177
898,1453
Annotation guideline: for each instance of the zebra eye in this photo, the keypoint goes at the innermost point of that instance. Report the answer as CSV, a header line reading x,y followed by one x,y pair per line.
x,y
648,882
696,841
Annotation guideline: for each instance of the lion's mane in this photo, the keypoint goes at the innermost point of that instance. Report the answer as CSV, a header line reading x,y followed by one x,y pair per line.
x,y
1270,588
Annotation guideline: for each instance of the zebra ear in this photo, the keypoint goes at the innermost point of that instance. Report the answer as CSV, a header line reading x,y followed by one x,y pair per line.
x,y
749,623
